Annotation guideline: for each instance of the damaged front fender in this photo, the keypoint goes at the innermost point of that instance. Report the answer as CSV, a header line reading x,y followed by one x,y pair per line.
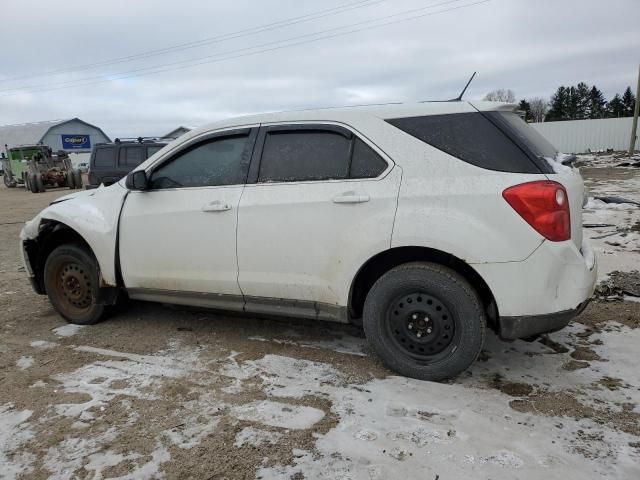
x,y
91,215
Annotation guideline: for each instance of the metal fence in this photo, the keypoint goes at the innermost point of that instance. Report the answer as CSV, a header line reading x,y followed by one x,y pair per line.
x,y
580,136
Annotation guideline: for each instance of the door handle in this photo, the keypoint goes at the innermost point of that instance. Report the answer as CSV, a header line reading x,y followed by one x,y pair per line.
x,y
216,206
350,197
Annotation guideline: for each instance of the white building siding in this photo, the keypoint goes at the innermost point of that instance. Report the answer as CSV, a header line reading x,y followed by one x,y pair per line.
x,y
53,138
580,136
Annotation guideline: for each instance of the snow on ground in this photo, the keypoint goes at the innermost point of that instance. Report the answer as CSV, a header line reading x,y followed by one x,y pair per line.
x,y
14,433
617,240
68,330
524,410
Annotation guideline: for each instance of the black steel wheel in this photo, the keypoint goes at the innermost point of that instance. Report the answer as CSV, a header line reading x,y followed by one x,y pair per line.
x,y
424,321
422,326
71,277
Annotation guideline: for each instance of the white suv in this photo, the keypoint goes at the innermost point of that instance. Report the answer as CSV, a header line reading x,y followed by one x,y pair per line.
x,y
425,222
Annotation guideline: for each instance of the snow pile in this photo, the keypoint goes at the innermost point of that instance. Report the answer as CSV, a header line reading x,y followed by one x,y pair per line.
x,y
556,163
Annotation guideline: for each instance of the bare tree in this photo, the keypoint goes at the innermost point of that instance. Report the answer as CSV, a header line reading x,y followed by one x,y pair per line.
x,y
538,107
501,95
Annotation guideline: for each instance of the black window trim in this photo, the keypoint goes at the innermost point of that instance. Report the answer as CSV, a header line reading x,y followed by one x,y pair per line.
x,y
250,132
256,159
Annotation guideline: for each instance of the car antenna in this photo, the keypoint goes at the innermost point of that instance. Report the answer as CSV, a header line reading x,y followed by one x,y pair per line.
x,y
459,97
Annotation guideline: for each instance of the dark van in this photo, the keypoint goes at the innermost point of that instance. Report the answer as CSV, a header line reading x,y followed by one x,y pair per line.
x,y
112,161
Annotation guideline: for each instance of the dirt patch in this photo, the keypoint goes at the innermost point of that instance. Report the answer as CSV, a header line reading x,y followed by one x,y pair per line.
x,y
513,389
611,383
620,284
598,313
585,353
572,365
555,346
565,404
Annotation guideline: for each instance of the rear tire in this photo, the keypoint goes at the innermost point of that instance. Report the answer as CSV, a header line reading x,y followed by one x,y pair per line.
x,y
424,321
71,278
77,178
33,185
9,182
39,183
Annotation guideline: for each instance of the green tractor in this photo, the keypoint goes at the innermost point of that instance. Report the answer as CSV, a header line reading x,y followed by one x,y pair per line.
x,y
36,167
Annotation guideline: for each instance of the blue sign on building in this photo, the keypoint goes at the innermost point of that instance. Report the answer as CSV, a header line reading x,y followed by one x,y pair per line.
x,y
75,142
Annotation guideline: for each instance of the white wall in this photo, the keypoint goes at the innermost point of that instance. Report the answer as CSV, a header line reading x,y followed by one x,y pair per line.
x,y
54,137
580,136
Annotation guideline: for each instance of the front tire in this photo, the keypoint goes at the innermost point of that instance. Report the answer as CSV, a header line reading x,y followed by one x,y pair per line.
x,y
71,278
424,321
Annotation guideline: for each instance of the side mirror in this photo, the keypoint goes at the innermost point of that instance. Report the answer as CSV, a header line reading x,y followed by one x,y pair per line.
x,y
137,180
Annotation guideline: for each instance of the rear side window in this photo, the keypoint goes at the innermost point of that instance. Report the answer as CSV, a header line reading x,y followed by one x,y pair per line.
x,y
365,162
471,137
105,157
131,156
299,155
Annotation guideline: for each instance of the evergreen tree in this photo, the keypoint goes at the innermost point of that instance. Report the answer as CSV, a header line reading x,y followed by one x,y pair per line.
x,y
526,108
581,102
597,104
616,107
629,102
558,105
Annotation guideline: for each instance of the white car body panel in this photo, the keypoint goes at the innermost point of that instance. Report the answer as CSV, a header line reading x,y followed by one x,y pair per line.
x,y
94,215
286,250
168,241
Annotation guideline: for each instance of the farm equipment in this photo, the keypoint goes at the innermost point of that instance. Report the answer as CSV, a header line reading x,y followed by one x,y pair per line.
x,y
36,167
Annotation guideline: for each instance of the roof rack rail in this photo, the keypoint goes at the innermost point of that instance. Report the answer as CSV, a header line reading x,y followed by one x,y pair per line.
x,y
140,139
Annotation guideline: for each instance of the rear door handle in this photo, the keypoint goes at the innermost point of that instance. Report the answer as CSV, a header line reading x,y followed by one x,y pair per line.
x,y
216,206
350,197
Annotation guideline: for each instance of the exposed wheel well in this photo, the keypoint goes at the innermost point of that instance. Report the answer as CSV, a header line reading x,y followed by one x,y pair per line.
x,y
52,235
385,261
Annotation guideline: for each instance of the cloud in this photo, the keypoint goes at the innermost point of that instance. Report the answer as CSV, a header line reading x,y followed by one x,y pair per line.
x,y
529,46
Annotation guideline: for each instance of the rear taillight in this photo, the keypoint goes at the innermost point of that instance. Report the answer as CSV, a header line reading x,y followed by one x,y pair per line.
x,y
544,205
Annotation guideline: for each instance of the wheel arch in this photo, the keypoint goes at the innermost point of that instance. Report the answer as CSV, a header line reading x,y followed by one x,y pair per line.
x,y
52,234
384,261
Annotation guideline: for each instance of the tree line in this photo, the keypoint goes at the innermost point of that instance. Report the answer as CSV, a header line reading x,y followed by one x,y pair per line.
x,y
579,102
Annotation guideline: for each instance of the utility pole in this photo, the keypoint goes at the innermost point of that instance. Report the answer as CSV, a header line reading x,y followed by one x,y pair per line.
x,y
632,143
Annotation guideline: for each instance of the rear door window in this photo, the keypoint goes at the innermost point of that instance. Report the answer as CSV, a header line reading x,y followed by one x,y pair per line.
x,y
471,137
304,155
299,154
131,156
105,157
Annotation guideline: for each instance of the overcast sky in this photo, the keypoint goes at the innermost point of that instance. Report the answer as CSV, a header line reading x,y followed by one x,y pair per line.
x,y
530,46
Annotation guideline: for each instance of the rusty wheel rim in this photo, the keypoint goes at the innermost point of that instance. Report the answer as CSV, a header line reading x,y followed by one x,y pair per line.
x,y
73,287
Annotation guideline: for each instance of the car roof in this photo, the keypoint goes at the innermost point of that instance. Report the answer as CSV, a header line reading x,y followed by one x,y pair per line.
x,y
340,114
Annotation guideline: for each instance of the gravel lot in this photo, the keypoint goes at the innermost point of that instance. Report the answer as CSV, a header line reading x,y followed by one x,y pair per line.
x,y
159,391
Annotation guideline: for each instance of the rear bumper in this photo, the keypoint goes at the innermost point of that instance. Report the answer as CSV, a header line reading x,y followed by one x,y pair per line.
x,y
512,328
543,292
